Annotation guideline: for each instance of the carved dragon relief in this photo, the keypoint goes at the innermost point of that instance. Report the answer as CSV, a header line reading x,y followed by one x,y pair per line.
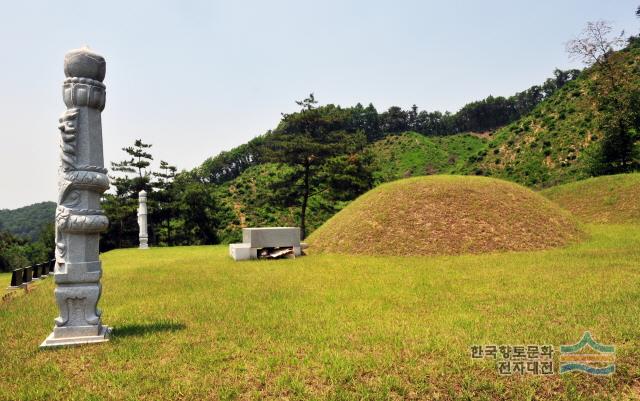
x,y
67,129
75,178
80,221
95,180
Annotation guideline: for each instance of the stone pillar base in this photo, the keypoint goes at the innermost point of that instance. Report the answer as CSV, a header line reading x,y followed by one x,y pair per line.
x,y
78,335
144,243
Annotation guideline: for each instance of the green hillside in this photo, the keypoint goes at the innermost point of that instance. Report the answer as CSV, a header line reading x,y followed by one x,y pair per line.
x,y
547,147
27,221
321,157
552,145
606,199
251,201
412,154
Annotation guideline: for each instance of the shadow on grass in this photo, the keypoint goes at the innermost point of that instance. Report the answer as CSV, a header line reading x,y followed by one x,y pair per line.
x,y
130,330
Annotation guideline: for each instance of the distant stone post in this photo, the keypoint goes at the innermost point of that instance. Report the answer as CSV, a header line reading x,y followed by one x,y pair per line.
x,y
142,220
79,219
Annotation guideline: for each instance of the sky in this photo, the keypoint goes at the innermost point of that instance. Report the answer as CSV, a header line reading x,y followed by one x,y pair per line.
x,y
194,78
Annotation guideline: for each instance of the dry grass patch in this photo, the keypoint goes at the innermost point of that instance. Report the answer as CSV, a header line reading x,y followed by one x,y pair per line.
x,y
446,215
607,199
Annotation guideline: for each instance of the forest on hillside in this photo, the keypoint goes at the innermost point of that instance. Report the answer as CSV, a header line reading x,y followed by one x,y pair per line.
x,y
27,222
317,159
574,125
26,235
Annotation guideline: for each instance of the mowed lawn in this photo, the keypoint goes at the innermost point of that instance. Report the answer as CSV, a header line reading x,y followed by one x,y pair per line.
x,y
189,323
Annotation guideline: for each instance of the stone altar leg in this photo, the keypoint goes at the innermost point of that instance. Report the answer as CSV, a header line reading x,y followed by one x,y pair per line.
x,y
82,179
142,220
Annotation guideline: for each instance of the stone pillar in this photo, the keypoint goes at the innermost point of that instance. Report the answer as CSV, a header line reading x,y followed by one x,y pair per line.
x,y
142,220
79,219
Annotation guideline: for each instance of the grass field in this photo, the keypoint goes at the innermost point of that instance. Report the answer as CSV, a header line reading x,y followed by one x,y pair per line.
x,y
192,324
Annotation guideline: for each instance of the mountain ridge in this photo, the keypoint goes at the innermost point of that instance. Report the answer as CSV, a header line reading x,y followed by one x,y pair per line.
x,y
27,221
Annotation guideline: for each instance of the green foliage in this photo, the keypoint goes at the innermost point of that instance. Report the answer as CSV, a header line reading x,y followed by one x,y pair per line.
x,y
18,252
562,139
12,252
198,210
617,99
476,116
367,120
306,141
138,165
212,203
27,222
182,208
228,165
486,114
320,158
251,200
413,154
345,177
123,225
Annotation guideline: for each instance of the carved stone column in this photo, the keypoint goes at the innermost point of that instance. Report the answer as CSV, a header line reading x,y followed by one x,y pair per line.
x,y
142,220
79,219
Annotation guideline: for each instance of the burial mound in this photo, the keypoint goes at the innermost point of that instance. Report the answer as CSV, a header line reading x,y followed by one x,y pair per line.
x,y
607,199
446,215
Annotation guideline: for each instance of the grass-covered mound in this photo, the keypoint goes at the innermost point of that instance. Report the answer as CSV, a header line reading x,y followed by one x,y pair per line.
x,y
607,199
446,215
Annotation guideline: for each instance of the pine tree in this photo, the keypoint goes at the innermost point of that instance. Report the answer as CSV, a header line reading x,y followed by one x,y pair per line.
x,y
133,175
306,140
138,164
165,197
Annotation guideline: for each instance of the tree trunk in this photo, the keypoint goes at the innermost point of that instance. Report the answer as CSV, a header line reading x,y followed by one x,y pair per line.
x,y
168,232
121,232
305,199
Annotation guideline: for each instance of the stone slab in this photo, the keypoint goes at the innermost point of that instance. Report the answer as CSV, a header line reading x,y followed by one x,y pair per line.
x,y
102,336
271,237
242,252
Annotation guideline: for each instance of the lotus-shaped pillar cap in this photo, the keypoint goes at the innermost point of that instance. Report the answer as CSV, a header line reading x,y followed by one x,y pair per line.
x,y
83,63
